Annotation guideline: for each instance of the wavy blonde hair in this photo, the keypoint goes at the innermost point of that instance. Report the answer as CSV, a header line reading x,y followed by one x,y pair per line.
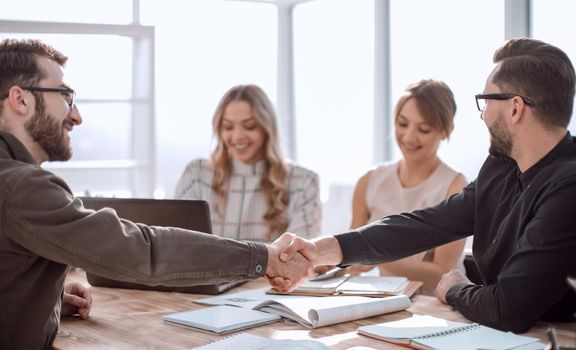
x,y
275,172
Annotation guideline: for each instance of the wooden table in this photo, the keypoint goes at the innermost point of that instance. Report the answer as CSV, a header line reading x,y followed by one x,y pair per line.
x,y
131,319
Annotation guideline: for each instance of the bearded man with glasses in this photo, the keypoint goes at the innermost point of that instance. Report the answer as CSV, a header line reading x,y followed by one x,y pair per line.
x,y
44,228
521,209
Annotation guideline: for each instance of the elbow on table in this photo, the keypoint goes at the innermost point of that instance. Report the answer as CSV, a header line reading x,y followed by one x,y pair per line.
x,y
516,322
518,326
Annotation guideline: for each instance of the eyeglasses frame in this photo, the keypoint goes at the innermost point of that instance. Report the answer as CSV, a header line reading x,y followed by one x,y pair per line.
x,y
501,97
63,91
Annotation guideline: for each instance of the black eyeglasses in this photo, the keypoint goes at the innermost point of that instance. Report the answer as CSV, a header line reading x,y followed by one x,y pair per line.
x,y
481,99
68,94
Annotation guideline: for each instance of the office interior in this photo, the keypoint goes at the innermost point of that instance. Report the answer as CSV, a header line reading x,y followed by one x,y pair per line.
x,y
149,74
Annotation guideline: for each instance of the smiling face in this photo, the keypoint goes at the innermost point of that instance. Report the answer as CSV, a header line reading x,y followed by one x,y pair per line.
x,y
241,133
53,119
417,139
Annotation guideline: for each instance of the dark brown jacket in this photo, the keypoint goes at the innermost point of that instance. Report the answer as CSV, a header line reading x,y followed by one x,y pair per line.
x,y
43,229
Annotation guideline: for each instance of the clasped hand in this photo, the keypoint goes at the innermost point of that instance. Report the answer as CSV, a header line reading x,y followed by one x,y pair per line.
x,y
290,262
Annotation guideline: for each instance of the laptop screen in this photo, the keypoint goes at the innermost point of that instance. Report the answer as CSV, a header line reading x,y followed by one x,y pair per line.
x,y
183,213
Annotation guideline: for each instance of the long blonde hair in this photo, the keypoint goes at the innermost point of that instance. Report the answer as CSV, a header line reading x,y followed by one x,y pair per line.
x,y
272,184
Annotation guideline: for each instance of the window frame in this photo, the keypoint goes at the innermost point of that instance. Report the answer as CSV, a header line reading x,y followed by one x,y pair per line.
x,y
141,164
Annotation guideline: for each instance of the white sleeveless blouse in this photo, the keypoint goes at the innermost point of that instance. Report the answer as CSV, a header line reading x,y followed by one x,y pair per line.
x,y
386,196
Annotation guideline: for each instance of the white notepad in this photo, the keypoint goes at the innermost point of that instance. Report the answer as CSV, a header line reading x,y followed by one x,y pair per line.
x,y
221,319
429,332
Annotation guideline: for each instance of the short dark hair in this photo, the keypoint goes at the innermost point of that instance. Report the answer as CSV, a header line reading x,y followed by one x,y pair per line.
x,y
543,73
19,65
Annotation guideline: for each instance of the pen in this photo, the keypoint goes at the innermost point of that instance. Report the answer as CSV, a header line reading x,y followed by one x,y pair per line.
x,y
327,275
552,338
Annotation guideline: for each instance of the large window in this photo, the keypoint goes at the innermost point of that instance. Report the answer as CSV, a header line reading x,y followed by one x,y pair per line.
x,y
176,58
110,67
551,20
334,83
203,48
454,42
71,11
103,161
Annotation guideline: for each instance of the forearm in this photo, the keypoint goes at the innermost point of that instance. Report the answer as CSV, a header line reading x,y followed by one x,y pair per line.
x,y
137,253
399,236
513,303
173,256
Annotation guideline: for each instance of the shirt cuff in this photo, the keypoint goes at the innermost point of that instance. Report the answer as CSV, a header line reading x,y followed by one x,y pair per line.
x,y
258,259
453,293
352,252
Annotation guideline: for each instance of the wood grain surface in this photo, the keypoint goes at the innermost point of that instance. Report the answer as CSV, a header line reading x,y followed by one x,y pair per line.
x,y
131,319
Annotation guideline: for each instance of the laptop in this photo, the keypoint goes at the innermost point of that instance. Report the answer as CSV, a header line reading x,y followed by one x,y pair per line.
x,y
186,214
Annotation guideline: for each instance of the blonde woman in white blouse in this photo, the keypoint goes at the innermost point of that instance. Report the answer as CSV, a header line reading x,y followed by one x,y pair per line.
x,y
253,193
423,118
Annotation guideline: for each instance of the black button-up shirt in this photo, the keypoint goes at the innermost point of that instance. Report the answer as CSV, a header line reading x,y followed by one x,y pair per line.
x,y
524,227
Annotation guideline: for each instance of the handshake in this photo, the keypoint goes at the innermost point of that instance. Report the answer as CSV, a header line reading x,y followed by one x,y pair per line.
x,y
292,259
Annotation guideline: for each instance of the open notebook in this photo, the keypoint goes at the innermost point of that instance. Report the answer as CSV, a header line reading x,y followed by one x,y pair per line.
x,y
375,286
310,311
187,214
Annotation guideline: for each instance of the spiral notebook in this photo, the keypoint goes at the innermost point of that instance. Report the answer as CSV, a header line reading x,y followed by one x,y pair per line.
x,y
429,332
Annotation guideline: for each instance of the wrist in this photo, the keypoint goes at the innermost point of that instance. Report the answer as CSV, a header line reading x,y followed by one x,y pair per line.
x,y
329,251
270,261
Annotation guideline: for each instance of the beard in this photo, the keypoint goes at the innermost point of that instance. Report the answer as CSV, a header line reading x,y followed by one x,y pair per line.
x,y
500,141
49,134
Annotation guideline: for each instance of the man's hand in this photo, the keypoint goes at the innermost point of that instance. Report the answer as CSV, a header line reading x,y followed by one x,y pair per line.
x,y
321,251
286,276
293,244
76,299
449,280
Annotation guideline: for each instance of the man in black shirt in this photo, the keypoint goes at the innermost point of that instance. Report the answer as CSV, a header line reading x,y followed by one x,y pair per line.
x,y
521,209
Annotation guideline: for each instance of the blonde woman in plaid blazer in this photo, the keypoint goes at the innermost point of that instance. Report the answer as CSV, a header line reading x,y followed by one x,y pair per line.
x,y
253,193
